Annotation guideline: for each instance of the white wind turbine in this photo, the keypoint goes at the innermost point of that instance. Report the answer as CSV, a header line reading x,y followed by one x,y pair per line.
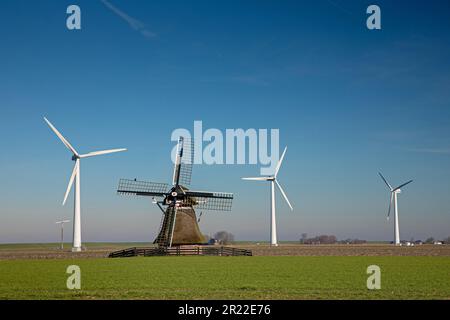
x,y
76,176
393,201
273,181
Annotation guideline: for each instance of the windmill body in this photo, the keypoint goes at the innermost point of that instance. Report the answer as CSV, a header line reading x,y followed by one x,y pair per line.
x,y
75,179
273,184
394,203
179,224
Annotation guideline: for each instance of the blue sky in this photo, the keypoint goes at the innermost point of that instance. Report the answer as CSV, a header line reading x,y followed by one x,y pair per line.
x,y
348,102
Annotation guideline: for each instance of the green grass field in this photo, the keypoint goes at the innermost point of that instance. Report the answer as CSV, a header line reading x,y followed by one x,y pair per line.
x,y
228,278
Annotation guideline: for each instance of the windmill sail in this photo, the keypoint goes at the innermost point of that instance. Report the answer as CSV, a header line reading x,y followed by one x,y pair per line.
x,y
165,236
183,163
142,188
209,200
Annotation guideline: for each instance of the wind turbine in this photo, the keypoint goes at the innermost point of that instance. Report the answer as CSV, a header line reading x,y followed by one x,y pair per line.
x,y
62,231
273,181
76,247
393,201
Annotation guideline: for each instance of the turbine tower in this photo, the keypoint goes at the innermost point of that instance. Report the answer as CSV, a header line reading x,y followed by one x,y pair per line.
x,y
273,181
62,231
76,247
393,201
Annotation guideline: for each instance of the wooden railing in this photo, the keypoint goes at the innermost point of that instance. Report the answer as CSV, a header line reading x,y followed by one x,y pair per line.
x,y
181,251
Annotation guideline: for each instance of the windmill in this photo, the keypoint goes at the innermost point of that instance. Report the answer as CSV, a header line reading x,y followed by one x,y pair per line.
x,y
62,231
393,201
179,225
76,246
273,181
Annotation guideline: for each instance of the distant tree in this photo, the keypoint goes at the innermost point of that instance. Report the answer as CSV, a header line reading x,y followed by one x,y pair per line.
x,y
430,240
322,239
446,240
353,241
224,237
358,241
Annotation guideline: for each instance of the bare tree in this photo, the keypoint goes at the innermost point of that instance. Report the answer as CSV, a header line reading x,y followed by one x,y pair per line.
x,y
224,237
430,240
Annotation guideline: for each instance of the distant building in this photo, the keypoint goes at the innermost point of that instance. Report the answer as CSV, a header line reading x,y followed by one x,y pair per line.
x,y
213,242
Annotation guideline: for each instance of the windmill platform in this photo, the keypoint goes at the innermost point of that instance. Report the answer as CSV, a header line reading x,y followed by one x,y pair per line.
x,y
187,250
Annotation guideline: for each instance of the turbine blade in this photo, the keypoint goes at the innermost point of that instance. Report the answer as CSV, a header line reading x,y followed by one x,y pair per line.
x,y
60,136
385,181
402,185
390,205
62,221
279,162
98,153
257,178
284,194
72,177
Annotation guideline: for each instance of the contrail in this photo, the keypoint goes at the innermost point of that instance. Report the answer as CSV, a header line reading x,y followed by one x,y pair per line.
x,y
430,150
133,23
341,8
